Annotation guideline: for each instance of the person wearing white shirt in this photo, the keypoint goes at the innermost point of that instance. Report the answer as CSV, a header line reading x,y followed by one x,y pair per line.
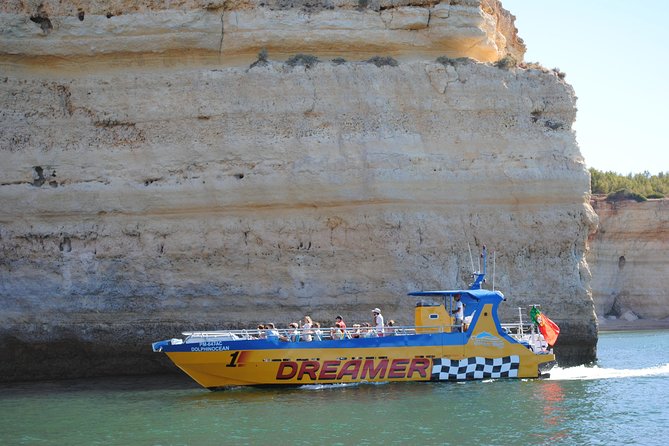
x,y
458,311
306,329
378,321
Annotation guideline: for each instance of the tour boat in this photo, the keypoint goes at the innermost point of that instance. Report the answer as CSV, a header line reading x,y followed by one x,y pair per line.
x,y
433,349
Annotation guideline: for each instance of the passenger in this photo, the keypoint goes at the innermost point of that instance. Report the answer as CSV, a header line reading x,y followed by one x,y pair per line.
x,y
271,332
306,329
317,332
458,311
366,331
390,328
340,320
356,331
293,334
262,334
337,332
378,321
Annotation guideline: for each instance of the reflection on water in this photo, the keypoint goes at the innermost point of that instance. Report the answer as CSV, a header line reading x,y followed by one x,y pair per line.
x,y
552,396
105,384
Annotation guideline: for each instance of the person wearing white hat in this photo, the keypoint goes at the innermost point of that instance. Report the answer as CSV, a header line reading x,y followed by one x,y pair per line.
x,y
378,321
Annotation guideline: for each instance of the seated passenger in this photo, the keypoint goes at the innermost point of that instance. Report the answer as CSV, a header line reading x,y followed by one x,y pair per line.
x,y
390,328
271,332
356,331
367,331
306,329
337,332
317,332
293,333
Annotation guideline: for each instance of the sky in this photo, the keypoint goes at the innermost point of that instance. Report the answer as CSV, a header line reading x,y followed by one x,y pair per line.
x,y
615,54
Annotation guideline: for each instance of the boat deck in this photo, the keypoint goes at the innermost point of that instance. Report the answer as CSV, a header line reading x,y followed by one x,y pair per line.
x,y
524,333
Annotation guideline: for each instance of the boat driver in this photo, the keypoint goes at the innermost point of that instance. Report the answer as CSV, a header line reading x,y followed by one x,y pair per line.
x,y
458,311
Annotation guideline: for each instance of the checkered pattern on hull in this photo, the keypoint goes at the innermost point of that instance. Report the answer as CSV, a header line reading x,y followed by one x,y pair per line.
x,y
445,369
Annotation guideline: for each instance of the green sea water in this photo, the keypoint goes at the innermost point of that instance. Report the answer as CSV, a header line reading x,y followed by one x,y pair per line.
x,y
623,399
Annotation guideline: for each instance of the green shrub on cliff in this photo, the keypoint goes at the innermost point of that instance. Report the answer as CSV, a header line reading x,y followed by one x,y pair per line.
x,y
625,194
262,59
621,187
306,60
444,60
507,62
383,61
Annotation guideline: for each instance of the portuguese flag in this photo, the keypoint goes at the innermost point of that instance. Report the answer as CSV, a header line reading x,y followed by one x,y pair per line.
x,y
547,327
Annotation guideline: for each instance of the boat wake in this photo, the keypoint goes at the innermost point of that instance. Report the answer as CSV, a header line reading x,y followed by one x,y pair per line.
x,y
585,373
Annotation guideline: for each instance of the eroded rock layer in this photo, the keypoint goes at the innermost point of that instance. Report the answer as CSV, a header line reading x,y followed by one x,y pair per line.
x,y
628,259
480,29
145,190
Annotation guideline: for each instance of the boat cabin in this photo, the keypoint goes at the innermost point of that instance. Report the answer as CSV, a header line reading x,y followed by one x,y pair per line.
x,y
432,316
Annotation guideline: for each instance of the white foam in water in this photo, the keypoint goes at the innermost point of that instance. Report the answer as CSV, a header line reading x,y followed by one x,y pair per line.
x,y
327,386
340,385
556,374
583,373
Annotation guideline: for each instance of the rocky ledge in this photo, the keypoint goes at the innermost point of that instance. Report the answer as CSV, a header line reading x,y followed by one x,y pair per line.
x,y
480,29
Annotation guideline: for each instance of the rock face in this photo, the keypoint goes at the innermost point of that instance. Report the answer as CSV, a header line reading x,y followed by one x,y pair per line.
x,y
628,259
480,29
157,176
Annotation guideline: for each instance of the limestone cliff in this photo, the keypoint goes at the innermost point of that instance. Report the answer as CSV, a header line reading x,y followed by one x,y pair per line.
x,y
157,176
628,259
231,29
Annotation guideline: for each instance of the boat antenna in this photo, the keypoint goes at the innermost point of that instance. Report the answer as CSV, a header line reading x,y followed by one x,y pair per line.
x,y
484,256
493,269
479,261
471,260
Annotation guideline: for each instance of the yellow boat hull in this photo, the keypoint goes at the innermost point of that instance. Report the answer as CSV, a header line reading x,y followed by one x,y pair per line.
x,y
485,355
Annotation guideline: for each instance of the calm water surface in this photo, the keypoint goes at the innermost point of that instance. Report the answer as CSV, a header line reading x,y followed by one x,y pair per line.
x,y
624,399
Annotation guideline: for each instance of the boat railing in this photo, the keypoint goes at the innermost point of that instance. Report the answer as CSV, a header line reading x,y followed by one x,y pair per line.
x,y
528,335
314,334
516,328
